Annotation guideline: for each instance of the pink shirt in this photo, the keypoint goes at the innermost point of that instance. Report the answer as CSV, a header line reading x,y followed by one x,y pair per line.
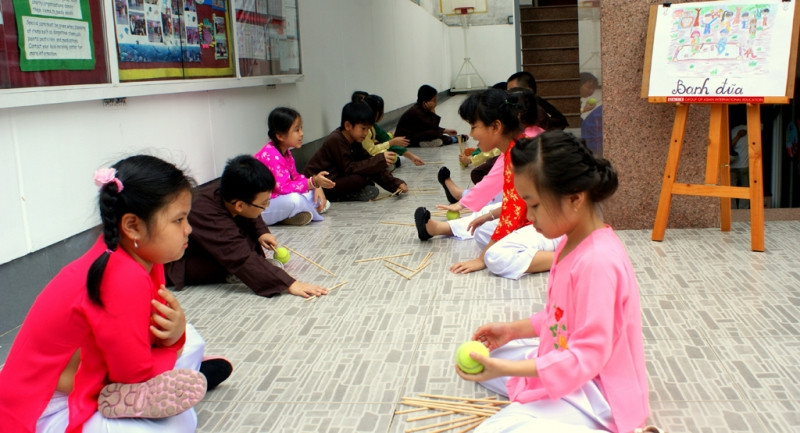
x,y
115,340
591,329
492,183
287,179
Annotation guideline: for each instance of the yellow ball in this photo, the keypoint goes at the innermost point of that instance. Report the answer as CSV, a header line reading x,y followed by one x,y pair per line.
x,y
591,101
453,215
465,362
281,255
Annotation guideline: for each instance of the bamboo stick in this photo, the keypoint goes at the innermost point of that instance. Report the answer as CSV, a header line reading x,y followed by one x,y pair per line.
x,y
470,422
455,408
398,223
399,265
309,260
329,290
387,196
398,272
453,405
405,411
418,270
439,424
491,399
381,258
471,426
425,260
433,415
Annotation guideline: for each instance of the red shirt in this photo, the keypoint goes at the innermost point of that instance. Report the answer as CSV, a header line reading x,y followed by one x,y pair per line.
x,y
115,340
513,214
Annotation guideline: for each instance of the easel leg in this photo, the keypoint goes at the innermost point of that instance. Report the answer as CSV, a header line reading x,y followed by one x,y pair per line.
x,y
756,177
724,167
670,171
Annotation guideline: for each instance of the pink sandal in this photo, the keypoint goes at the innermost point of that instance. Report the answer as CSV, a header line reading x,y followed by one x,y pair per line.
x,y
167,394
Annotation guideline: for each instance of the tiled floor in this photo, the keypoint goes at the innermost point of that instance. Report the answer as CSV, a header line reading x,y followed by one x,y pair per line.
x,y
722,323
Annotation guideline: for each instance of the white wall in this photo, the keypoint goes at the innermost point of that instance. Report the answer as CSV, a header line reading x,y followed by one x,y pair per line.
x,y
48,153
491,49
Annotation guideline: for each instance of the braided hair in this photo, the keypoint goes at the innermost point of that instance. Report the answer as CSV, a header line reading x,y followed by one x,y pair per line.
x,y
560,164
143,185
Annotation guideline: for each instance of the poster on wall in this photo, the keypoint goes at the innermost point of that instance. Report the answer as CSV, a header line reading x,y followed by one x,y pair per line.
x,y
54,35
267,37
172,39
722,51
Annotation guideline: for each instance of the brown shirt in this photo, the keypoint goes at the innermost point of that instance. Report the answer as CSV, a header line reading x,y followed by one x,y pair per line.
x,y
222,244
340,157
418,124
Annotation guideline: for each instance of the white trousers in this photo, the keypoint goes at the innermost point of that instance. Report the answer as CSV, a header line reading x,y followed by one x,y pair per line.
x,y
511,256
288,205
584,410
55,417
482,233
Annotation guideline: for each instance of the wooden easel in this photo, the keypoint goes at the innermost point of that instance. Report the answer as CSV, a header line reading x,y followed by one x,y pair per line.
x,y
718,174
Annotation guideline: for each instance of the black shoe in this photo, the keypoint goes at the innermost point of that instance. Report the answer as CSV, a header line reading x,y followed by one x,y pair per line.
x,y
216,370
421,217
444,174
397,163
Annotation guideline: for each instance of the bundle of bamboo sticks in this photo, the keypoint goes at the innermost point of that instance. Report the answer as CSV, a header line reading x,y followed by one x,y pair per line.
x,y
470,412
413,271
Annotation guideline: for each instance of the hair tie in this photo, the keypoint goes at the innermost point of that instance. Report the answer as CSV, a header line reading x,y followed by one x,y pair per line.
x,y
105,176
108,250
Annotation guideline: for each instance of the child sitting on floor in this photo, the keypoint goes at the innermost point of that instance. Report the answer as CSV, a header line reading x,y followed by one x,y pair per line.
x,y
374,144
296,199
350,166
586,372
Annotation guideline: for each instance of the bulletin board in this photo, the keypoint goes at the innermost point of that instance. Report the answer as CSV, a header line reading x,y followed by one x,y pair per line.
x,y
267,37
721,52
51,43
159,39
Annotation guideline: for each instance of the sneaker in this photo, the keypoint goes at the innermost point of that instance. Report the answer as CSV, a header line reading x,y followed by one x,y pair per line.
x,y
327,206
274,262
216,370
421,217
431,143
368,193
443,175
170,393
298,219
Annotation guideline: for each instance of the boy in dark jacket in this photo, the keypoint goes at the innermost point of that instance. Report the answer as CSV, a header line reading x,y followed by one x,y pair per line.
x,y
349,166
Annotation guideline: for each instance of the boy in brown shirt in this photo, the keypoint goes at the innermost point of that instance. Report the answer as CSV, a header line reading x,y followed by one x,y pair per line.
x,y
353,169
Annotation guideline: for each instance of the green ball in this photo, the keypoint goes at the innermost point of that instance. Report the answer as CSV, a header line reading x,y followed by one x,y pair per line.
x,y
465,362
453,214
591,101
281,255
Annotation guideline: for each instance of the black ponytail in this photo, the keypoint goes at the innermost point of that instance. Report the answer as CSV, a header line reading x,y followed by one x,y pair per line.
x,y
144,184
491,105
560,164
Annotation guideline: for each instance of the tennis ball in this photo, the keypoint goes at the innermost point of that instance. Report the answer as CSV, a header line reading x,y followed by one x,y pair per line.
x,y
281,255
465,362
453,215
591,101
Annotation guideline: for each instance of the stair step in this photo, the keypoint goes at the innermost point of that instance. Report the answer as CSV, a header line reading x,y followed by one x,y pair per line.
x,y
548,26
549,40
550,56
569,87
532,13
553,70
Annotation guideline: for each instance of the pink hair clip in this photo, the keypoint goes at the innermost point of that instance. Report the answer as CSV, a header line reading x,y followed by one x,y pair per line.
x,y
105,176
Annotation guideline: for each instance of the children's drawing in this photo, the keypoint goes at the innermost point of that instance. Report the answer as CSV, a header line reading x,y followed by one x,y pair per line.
x,y
721,49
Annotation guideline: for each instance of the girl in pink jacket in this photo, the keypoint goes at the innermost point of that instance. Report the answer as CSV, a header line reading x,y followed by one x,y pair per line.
x,y
586,370
296,199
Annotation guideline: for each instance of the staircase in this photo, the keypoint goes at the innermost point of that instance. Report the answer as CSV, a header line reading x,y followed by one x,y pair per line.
x,y
549,36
